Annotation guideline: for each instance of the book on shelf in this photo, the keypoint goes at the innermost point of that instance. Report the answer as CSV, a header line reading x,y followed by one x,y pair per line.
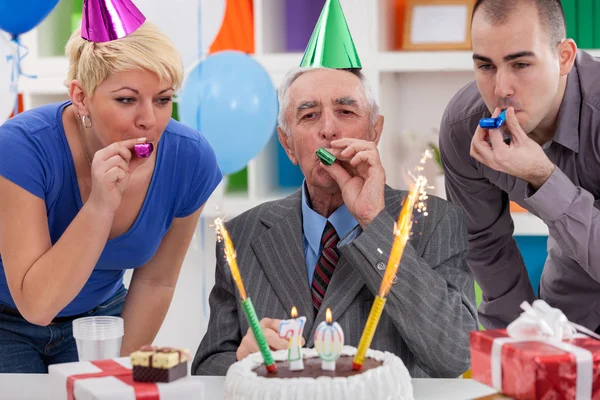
x,y
570,10
585,24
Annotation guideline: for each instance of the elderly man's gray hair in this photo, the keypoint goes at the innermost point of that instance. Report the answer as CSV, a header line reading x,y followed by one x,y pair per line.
x,y
292,75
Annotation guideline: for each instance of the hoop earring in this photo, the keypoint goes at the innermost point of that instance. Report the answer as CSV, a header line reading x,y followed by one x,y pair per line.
x,y
86,121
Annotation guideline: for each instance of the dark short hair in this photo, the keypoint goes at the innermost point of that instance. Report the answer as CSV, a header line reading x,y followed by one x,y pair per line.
x,y
550,13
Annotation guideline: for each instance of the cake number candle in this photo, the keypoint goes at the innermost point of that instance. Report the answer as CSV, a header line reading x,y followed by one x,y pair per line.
x,y
291,329
247,306
329,341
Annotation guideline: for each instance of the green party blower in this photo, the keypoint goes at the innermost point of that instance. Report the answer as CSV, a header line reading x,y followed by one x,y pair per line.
x,y
325,156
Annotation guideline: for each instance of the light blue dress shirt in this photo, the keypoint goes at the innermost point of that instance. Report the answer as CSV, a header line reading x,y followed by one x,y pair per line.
x,y
313,225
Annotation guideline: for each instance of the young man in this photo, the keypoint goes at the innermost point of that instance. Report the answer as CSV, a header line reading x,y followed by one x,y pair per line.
x,y
551,91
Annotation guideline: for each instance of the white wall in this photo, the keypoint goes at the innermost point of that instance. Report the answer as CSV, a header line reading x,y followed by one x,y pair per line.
x,y
187,318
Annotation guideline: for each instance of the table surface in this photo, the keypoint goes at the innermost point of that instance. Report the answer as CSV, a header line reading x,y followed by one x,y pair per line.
x,y
35,386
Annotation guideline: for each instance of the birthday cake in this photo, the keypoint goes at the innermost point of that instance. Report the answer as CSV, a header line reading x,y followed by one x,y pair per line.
x,y
382,376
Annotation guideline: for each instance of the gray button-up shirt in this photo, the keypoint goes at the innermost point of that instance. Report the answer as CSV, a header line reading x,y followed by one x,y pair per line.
x,y
568,203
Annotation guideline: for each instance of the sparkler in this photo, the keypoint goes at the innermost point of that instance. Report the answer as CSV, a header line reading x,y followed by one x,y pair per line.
x,y
415,200
249,311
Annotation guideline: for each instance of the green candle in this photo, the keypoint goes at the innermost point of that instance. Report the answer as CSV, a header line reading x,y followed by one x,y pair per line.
x,y
258,334
247,306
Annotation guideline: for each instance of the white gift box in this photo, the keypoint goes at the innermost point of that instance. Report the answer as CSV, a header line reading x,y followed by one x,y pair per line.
x,y
113,388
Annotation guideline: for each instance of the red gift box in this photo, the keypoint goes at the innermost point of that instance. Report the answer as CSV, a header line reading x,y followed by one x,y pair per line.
x,y
532,369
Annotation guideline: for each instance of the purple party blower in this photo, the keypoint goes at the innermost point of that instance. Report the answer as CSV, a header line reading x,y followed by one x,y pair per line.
x,y
143,150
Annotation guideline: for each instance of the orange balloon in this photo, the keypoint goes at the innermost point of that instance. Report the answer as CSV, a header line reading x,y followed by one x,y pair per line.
x,y
21,108
514,207
237,29
399,17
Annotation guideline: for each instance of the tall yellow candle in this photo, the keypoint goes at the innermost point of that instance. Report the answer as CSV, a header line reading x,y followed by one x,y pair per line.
x,y
401,234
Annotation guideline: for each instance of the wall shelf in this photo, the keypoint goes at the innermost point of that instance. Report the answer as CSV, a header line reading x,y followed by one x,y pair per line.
x,y
424,61
527,224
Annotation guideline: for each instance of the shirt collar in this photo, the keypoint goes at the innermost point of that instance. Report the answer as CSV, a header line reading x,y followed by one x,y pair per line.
x,y
567,129
314,223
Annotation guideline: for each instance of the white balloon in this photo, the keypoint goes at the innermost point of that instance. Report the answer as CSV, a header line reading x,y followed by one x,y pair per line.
x,y
191,24
7,96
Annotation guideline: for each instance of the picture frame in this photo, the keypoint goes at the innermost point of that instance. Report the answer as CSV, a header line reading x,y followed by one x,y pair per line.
x,y
438,25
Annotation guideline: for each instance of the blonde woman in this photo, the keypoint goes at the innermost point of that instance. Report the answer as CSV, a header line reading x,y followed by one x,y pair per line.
x,y
79,207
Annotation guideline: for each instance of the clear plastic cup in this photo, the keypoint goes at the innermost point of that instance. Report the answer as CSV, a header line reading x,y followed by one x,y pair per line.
x,y
98,338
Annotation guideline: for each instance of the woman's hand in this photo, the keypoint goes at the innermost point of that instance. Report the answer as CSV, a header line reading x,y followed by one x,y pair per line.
x,y
111,170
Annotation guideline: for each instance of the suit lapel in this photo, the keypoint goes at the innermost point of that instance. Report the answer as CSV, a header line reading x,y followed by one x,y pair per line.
x,y
346,281
280,252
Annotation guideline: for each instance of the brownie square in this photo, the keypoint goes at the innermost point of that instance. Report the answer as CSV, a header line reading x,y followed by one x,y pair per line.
x,y
149,374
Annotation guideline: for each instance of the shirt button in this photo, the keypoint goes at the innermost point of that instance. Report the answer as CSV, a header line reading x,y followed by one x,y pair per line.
x,y
380,266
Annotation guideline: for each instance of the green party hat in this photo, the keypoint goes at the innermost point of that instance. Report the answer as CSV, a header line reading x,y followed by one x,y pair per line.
x,y
331,44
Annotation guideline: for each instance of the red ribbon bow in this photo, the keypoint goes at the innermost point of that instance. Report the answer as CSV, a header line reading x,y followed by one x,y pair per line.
x,y
142,390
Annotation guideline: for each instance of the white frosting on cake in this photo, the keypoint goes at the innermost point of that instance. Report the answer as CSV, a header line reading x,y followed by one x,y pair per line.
x,y
391,380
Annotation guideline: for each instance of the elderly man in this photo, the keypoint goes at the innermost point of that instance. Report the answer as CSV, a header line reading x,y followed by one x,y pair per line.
x,y
327,245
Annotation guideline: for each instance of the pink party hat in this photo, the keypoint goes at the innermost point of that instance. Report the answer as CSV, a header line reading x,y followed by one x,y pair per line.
x,y
106,20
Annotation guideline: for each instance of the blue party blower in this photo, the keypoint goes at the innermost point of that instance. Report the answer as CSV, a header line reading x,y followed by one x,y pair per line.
x,y
493,123
496,123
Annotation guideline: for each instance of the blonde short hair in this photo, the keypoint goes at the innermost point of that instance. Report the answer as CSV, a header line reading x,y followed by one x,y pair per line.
x,y
145,48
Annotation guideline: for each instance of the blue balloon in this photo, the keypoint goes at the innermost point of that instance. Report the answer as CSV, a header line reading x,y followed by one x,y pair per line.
x,y
20,16
231,100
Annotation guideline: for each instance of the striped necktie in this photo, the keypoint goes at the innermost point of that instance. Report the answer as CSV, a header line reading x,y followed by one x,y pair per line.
x,y
325,265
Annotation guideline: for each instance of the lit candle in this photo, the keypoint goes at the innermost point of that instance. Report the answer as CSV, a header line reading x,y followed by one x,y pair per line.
x,y
291,329
329,340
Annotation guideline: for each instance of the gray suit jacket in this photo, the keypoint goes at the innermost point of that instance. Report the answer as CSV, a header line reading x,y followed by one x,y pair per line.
x,y
429,311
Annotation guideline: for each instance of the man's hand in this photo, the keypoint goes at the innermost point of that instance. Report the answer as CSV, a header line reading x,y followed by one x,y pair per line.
x,y
522,158
360,176
270,329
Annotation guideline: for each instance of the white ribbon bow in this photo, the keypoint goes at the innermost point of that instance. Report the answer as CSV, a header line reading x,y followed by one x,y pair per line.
x,y
546,324
542,321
